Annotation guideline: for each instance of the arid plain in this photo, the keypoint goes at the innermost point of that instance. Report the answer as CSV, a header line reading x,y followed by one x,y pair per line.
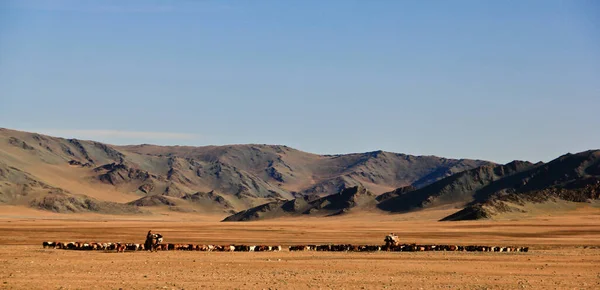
x,y
55,189
564,252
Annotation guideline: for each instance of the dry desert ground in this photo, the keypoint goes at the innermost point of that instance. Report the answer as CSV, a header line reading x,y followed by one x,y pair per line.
x,y
564,253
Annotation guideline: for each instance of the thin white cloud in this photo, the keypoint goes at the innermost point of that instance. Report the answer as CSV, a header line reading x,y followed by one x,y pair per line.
x,y
121,6
102,134
97,6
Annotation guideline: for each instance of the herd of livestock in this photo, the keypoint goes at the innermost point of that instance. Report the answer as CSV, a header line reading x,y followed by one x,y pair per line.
x,y
392,247
122,247
405,248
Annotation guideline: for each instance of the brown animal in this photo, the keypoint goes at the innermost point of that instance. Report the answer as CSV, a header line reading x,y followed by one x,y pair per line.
x,y
227,248
121,248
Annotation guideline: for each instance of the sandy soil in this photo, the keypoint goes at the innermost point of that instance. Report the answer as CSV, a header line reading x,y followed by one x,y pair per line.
x,y
564,254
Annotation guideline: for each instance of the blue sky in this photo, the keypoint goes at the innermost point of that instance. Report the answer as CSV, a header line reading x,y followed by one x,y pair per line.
x,y
495,80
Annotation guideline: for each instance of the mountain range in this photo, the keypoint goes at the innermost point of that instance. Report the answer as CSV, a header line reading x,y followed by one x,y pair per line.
x,y
481,192
257,181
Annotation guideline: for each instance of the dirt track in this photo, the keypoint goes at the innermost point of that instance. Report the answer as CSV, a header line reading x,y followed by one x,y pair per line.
x,y
564,254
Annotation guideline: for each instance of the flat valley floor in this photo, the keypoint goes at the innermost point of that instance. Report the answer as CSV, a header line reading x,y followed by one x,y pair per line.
x,y
564,253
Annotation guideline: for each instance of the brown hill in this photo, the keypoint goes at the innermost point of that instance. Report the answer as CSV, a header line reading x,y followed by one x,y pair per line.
x,y
569,178
294,171
350,198
63,202
484,192
210,178
460,188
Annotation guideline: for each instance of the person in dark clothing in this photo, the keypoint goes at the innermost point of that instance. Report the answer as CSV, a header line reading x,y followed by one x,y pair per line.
x,y
149,244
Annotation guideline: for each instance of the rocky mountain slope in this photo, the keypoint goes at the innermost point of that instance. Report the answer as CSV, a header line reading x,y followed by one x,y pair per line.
x,y
342,202
570,178
482,192
459,188
65,174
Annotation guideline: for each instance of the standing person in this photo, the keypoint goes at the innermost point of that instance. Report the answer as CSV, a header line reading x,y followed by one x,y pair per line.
x,y
391,240
149,244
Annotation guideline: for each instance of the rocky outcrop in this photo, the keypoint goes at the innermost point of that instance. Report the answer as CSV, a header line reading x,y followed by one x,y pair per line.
x,y
114,173
155,200
395,193
146,188
208,197
335,204
19,143
61,202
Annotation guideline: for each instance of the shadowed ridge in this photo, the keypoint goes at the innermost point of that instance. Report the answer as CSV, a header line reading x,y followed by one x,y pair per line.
x,y
458,188
570,178
396,192
335,204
